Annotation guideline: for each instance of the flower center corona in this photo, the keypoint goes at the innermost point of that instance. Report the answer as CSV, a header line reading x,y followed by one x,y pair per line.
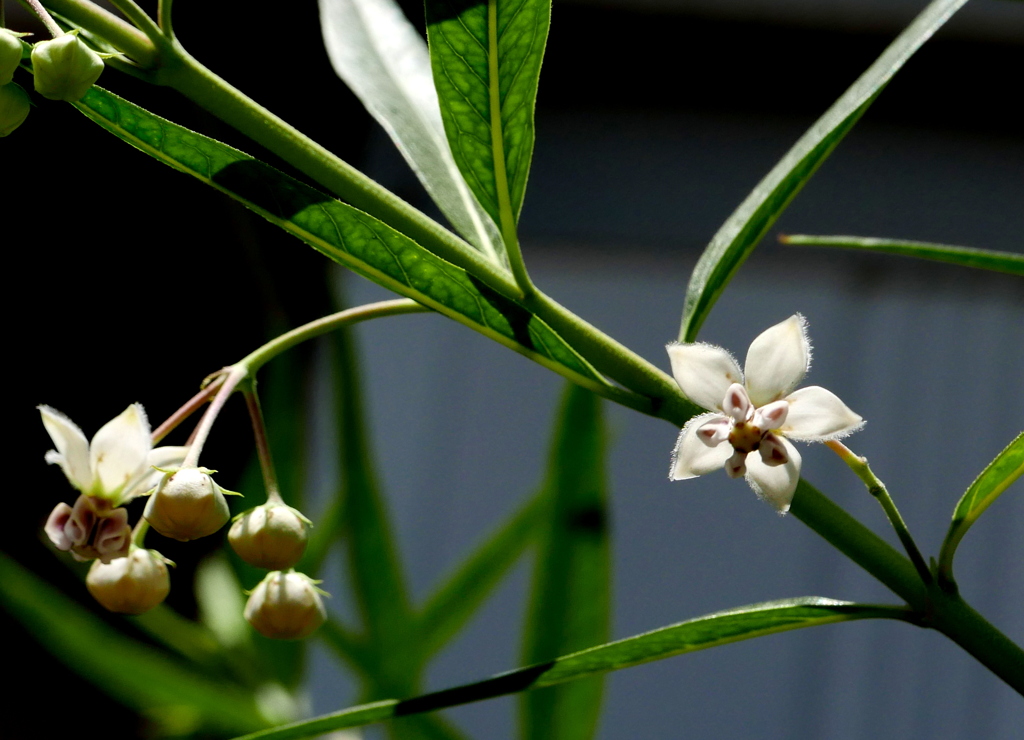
x,y
745,437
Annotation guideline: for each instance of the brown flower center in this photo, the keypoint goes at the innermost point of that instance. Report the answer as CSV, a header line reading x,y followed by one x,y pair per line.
x,y
745,437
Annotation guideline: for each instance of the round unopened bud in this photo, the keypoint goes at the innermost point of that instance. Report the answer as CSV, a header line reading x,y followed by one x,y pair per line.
x,y
14,107
132,584
187,505
271,536
65,68
285,606
10,55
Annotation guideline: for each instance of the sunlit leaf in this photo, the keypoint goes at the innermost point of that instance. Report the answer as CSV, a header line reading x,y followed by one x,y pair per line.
x,y
384,60
983,259
709,631
344,234
486,56
133,673
999,475
570,602
742,231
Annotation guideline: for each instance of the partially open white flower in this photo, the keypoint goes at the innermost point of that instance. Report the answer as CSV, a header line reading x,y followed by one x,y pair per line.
x,y
118,464
756,412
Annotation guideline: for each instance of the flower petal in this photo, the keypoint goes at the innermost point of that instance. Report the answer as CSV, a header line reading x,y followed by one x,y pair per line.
x,y
777,360
72,453
737,404
119,450
692,457
714,432
704,372
817,414
775,483
55,526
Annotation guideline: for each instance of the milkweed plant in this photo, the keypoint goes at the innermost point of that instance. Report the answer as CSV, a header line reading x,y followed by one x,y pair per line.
x,y
459,107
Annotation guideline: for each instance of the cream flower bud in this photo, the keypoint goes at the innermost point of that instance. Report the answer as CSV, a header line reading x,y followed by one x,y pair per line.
x,y
271,536
65,68
10,55
285,606
132,584
187,505
14,107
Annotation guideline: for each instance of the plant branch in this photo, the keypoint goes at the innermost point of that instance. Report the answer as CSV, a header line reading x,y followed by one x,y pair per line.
x,y
259,430
190,407
859,465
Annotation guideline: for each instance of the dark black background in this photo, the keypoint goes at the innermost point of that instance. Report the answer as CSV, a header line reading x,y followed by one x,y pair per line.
x,y
127,281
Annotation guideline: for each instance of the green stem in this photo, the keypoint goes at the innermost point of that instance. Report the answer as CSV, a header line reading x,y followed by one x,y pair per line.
x,y
139,532
255,360
142,21
259,430
103,23
163,13
232,378
192,79
859,544
859,465
956,619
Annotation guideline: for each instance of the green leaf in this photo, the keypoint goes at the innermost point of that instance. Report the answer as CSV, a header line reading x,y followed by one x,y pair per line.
x,y
571,599
704,632
453,604
133,673
486,56
742,231
983,259
344,234
986,488
384,60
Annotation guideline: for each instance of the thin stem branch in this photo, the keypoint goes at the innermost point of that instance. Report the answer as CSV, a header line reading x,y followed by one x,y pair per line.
x,y
163,13
259,430
189,408
139,531
255,360
47,19
234,376
859,465
142,21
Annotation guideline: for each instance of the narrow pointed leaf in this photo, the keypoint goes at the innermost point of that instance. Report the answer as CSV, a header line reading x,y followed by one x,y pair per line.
x,y
384,60
999,475
486,56
345,234
983,259
570,602
133,673
742,231
704,632
458,598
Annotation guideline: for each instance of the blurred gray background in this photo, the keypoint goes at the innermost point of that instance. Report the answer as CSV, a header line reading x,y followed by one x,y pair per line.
x,y
632,175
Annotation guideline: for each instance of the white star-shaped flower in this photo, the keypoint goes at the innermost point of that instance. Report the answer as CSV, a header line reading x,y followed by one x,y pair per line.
x,y
756,412
118,464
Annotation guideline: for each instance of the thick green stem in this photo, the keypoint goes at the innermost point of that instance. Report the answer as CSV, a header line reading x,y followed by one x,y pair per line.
x,y
963,625
192,79
121,34
859,543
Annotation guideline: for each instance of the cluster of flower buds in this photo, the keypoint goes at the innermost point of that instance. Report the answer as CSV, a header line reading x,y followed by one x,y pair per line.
x,y
64,68
185,503
14,103
286,605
